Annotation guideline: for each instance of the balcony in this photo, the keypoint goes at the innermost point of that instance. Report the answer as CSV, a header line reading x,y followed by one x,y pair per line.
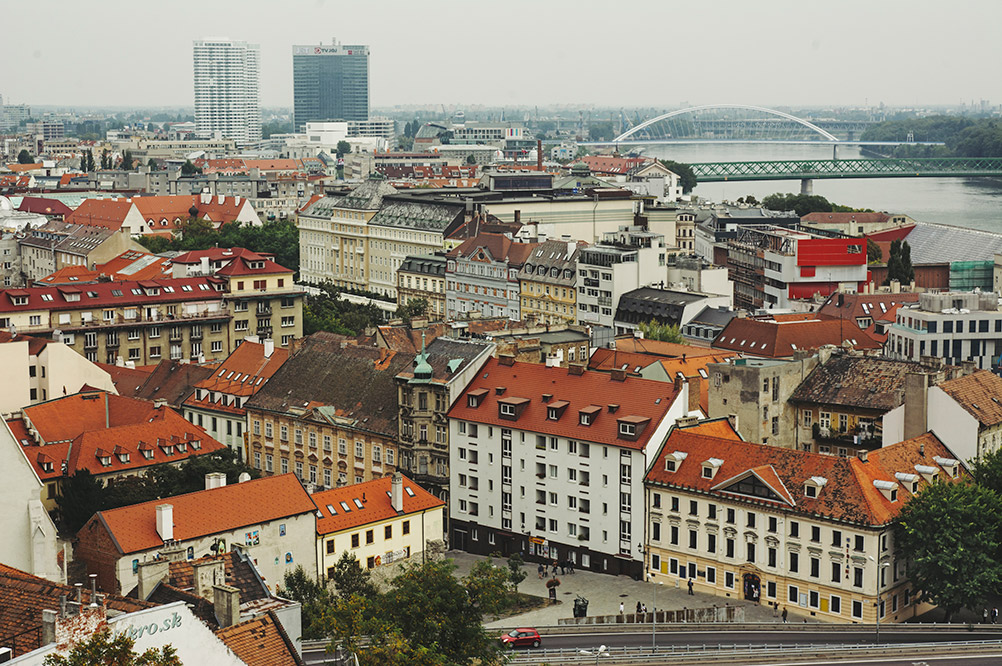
x,y
263,310
196,334
175,336
264,331
867,435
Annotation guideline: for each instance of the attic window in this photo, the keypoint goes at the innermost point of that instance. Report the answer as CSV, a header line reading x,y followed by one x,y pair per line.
x,y
196,444
628,429
507,409
181,447
710,467
889,489
909,481
673,460
587,415
552,413
409,491
123,457
148,454
556,409
948,464
814,485
345,507
811,491
474,398
358,503
331,509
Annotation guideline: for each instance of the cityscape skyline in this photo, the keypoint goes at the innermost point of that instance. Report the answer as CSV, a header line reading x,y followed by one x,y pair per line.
x,y
777,53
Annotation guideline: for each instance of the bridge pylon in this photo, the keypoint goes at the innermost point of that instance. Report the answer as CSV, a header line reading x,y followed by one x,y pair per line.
x,y
807,186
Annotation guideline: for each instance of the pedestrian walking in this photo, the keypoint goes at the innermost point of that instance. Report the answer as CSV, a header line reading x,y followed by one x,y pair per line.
x,y
640,608
984,615
785,613
621,608
542,570
995,615
690,586
644,609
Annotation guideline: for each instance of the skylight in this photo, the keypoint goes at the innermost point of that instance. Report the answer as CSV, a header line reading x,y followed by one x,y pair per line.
x,y
331,509
345,507
408,490
358,503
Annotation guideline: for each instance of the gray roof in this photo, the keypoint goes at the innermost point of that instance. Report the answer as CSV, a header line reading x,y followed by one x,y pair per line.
x,y
714,316
427,264
941,243
551,256
367,196
447,357
421,216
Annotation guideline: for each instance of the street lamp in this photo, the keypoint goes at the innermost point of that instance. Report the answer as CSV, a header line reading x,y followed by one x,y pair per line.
x,y
654,617
602,651
879,594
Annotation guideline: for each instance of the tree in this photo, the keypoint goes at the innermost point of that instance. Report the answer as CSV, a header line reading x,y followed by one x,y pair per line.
x,y
987,472
873,253
417,307
83,163
81,498
105,649
686,176
314,597
899,263
488,586
24,157
152,164
90,160
189,169
471,159
655,330
105,159
951,534
127,161
516,570
350,579
343,147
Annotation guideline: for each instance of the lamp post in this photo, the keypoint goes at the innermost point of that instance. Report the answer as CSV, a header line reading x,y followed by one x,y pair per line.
x,y
654,617
880,567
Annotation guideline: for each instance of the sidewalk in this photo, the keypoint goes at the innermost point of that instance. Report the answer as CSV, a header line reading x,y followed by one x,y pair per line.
x,y
604,594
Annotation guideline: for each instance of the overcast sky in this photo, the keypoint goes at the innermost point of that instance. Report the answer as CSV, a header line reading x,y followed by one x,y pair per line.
x,y
656,53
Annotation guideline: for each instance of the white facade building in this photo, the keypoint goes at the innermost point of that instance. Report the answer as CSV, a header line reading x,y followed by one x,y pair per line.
x,y
226,89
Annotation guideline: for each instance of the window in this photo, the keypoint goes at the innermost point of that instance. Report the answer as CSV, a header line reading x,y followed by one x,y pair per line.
x,y
729,580
837,538
857,609
815,567
794,559
750,552
793,594
857,577
836,572
354,540
674,504
772,557
673,534
751,519
815,534
369,537
835,605
730,516
711,543
693,536
858,543
656,531
773,523
729,547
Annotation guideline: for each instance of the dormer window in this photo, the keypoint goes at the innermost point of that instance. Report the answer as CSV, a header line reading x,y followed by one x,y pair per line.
x,y
588,414
673,460
928,472
632,426
196,444
949,465
507,409
511,408
474,398
710,467
627,429
888,489
909,481
181,447
123,457
813,486
556,409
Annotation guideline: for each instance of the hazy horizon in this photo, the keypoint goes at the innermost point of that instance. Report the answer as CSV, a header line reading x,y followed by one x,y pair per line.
x,y
519,53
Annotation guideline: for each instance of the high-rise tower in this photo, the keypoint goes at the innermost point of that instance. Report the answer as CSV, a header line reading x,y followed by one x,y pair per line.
x,y
330,82
226,89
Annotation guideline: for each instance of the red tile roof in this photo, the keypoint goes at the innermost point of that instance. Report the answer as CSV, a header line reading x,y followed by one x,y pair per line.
x,y
23,597
208,512
634,397
659,348
82,429
980,394
112,294
847,495
613,165
35,345
160,213
44,206
244,265
499,248
261,641
243,373
781,339
376,504
858,306
19,168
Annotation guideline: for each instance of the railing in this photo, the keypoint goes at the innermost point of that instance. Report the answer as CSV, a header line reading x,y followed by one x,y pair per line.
x,y
729,653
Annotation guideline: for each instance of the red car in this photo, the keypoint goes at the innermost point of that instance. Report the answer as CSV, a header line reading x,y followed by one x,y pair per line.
x,y
521,637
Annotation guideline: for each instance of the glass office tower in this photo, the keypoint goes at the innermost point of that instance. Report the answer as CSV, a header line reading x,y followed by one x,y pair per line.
x,y
330,82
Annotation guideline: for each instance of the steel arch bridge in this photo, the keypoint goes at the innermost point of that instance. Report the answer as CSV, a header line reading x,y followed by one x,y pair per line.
x,y
685,124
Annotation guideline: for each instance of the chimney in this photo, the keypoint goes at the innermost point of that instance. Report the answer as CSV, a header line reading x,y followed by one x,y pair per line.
x,y
547,397
159,403
618,375
862,455
243,478
518,217
539,154
215,480
679,383
397,493
916,421
93,590
150,574
204,265
695,388
506,359
967,368
226,600
48,627
575,369
269,347
206,575
165,521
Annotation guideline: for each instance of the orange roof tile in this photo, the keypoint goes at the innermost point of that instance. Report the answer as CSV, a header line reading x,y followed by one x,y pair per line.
x,y
780,339
848,493
980,394
588,391
208,512
374,496
659,348
245,370
719,427
261,641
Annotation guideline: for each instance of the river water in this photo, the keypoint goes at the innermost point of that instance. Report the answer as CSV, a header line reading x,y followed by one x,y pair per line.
x,y
965,202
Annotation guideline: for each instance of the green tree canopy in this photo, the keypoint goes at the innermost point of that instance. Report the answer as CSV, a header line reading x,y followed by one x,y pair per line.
x,y
655,330
686,176
343,147
899,263
415,308
951,534
873,253
104,649
127,162
24,157
189,169
326,311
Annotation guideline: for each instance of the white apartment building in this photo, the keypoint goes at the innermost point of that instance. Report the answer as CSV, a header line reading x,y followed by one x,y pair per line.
x,y
226,89
549,461
625,260
810,532
953,326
